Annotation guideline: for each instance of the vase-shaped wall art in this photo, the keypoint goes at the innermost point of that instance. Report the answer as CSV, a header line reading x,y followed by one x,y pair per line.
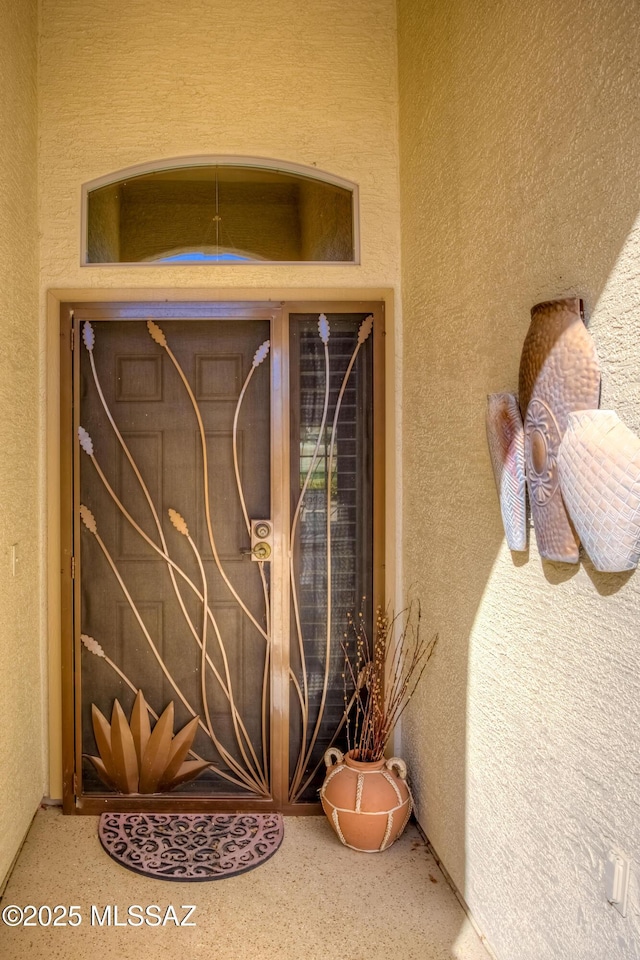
x,y
505,436
559,374
599,468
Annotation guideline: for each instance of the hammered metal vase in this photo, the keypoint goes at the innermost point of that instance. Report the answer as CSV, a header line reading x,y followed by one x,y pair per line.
x,y
599,468
559,374
367,804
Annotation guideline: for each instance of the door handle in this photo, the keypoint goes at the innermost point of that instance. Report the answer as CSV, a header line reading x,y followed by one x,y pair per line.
x,y
260,551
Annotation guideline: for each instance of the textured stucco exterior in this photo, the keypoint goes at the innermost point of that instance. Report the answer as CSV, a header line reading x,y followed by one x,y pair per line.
x,y
21,738
520,150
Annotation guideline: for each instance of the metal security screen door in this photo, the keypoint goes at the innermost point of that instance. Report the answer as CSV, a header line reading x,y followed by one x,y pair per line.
x,y
222,469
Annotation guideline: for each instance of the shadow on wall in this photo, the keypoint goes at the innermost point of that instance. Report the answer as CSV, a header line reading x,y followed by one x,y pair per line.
x,y
519,156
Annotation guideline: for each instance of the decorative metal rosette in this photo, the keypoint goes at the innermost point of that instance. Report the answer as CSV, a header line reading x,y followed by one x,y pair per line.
x,y
542,438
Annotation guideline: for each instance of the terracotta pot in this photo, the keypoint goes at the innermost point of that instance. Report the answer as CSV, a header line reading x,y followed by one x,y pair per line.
x,y
367,804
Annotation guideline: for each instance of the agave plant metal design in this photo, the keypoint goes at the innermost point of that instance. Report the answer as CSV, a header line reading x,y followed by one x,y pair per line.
x,y
136,759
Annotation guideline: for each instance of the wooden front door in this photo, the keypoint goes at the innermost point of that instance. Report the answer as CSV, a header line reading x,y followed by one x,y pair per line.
x,y
222,521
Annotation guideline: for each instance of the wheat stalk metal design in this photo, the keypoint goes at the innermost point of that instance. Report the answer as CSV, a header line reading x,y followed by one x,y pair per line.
x,y
306,752
180,525
260,356
324,332
158,336
253,777
244,781
87,445
89,521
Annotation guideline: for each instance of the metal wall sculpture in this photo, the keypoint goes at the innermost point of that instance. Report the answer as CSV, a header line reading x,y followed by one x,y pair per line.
x,y
582,464
599,467
505,436
559,373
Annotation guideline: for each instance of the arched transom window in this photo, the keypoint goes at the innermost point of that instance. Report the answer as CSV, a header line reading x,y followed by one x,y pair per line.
x,y
222,210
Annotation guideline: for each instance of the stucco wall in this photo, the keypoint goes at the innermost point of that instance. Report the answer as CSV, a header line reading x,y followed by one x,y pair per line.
x,y
127,83
21,770
520,152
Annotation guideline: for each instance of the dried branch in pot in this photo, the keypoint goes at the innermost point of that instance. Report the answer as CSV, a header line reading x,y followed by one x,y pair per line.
x,y
381,676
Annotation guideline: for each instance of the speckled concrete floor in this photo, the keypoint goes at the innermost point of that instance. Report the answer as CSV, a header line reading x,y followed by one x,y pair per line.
x,y
314,900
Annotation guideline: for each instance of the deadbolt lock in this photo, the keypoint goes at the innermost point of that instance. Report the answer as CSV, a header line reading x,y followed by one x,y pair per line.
x,y
261,539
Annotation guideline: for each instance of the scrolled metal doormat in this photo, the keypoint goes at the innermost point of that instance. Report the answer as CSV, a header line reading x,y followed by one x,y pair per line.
x,y
192,846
